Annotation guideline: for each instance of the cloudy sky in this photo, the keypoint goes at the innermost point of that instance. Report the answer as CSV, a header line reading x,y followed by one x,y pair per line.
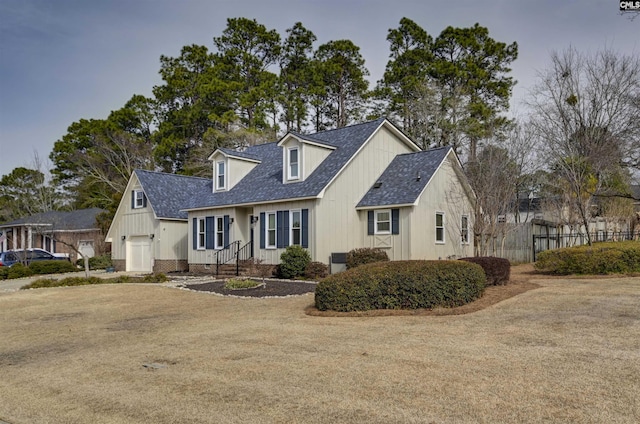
x,y
64,60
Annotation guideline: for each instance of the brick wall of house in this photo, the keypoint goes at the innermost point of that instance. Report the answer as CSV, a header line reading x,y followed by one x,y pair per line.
x,y
119,264
165,266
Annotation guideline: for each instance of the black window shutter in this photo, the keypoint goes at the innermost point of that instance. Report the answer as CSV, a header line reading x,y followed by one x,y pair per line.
x,y
262,227
226,230
395,221
280,229
305,228
285,239
133,199
370,223
210,232
195,233
144,200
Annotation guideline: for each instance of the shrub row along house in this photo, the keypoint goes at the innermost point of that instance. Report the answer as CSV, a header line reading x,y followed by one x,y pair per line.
x,y
367,185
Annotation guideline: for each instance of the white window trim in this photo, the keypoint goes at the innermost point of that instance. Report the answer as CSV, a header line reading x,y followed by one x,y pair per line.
x,y
275,230
299,211
299,168
219,229
223,175
443,228
462,228
138,196
201,219
375,221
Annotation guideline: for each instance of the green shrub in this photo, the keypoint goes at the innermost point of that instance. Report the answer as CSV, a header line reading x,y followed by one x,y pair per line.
x,y
316,270
154,278
4,272
293,262
52,267
96,262
601,258
82,281
401,285
240,283
365,255
497,270
18,270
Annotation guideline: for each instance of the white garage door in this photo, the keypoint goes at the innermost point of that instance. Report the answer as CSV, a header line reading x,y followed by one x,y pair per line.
x,y
139,254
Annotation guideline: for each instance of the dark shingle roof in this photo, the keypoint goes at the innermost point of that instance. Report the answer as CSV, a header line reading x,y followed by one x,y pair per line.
x,y
264,182
399,183
82,219
169,193
243,154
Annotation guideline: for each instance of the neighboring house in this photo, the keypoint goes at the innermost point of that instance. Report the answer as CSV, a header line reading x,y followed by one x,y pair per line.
x,y
149,230
366,185
54,231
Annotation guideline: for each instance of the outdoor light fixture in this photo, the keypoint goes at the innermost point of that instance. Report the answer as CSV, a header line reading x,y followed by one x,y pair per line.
x,y
231,220
123,237
151,236
255,219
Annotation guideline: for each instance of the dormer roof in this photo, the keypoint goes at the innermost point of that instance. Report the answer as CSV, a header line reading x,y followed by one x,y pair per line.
x,y
235,154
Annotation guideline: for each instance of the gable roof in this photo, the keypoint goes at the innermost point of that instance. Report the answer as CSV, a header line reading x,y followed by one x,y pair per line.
x,y
264,182
404,179
168,193
237,154
82,219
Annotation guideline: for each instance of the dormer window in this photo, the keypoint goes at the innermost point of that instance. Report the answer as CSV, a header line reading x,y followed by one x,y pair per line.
x,y
221,176
138,199
293,163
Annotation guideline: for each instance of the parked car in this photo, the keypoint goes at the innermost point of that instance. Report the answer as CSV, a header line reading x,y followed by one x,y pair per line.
x,y
11,257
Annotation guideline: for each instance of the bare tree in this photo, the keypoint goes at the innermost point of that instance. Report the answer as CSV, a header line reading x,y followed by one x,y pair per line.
x,y
584,111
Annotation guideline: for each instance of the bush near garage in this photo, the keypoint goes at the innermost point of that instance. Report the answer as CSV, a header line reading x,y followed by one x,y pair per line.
x,y
96,262
401,285
600,258
52,267
497,270
293,262
365,255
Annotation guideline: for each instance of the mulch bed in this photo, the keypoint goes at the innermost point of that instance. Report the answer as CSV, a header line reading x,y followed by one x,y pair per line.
x,y
272,288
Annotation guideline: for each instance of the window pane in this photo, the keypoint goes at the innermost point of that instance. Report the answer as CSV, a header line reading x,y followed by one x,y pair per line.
x,y
383,216
439,220
272,221
293,163
295,220
272,237
439,234
383,226
295,236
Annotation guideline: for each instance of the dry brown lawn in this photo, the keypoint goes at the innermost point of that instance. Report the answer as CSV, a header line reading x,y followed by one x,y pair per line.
x,y
568,351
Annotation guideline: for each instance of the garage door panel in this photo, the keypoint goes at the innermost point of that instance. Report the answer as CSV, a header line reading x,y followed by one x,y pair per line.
x,y
139,254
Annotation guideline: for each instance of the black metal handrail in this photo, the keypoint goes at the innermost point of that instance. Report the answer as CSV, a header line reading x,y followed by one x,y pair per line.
x,y
233,251
226,254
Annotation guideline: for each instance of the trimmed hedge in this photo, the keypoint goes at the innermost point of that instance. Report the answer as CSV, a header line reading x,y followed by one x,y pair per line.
x,y
293,262
52,267
401,285
96,262
16,271
601,258
365,255
83,281
497,270
316,270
